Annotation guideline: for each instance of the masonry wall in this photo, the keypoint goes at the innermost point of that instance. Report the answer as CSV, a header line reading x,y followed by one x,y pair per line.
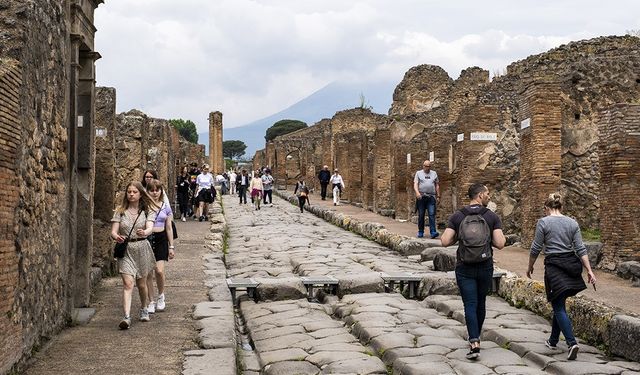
x,y
620,182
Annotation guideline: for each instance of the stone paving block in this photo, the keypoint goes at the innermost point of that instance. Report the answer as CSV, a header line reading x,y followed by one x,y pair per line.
x,y
448,307
447,342
445,260
429,364
438,283
290,288
217,332
276,332
521,370
392,341
199,362
249,361
219,292
360,283
346,347
504,336
624,336
322,359
391,355
537,360
581,368
320,325
209,309
633,366
411,246
469,368
364,366
291,354
490,357
291,367
281,342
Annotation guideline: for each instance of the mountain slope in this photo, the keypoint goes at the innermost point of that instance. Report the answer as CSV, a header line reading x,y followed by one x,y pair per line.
x,y
323,103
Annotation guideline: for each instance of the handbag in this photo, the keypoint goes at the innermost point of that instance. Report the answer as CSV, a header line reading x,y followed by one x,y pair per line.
x,y
121,247
175,231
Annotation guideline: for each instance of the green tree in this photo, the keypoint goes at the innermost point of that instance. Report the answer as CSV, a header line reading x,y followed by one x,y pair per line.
x,y
284,127
187,129
233,149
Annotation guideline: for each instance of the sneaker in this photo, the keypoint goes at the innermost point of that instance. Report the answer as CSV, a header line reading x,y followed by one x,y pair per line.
x,y
420,234
201,218
270,204
184,218
334,203
548,345
151,308
206,218
433,236
125,323
144,315
473,353
573,352
160,305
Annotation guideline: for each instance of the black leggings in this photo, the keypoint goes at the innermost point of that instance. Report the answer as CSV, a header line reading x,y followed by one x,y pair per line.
x,y
267,193
301,202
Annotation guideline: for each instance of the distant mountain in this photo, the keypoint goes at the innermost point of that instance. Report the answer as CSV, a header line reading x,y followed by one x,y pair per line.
x,y
323,103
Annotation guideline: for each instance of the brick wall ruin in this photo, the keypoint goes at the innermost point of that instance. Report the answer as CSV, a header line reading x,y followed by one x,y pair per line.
x,y
524,134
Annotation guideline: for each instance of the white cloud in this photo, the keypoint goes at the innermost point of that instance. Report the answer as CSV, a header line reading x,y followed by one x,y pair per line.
x,y
250,59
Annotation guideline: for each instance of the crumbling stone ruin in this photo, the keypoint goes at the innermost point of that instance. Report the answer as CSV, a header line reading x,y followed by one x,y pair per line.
x,y
63,156
525,134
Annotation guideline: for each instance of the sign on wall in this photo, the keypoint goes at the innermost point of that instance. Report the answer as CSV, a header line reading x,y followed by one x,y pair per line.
x,y
408,158
483,136
431,156
525,123
101,132
80,121
461,137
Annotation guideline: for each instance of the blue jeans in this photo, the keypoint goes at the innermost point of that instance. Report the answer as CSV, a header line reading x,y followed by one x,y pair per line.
x,y
561,322
427,204
474,282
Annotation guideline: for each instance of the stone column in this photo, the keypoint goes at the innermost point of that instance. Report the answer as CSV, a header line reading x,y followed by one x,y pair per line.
x,y
216,160
382,172
619,150
540,152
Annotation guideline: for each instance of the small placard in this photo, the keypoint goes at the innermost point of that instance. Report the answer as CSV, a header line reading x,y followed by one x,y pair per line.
x,y
460,137
525,123
101,132
431,156
483,136
80,121
408,158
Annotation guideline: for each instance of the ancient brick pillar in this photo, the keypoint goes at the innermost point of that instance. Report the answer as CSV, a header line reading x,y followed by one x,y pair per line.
x,y
216,159
10,141
382,172
619,150
540,151
402,177
104,197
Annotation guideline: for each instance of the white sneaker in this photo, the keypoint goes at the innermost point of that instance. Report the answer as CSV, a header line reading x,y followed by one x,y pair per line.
x,y
151,308
144,315
160,305
270,204
184,218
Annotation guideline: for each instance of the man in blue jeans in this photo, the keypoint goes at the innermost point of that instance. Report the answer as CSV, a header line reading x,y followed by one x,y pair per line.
x,y
474,279
427,189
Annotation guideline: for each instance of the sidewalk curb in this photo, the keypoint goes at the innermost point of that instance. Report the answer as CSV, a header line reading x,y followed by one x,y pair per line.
x,y
595,322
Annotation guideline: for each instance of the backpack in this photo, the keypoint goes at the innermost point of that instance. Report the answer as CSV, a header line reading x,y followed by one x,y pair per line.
x,y
474,235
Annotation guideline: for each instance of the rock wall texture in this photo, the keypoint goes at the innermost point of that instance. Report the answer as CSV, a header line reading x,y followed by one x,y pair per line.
x,y
525,134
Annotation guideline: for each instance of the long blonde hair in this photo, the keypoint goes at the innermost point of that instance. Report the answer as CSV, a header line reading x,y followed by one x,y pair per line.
x,y
146,203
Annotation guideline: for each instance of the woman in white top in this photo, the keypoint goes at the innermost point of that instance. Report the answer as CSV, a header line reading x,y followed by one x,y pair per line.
x,y
338,184
256,187
205,192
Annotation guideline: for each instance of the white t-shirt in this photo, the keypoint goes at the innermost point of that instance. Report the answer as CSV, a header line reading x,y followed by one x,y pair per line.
x,y
232,177
205,181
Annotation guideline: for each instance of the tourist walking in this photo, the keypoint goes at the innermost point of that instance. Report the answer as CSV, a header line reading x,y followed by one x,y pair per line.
x,y
302,191
267,183
337,185
162,243
256,188
232,182
182,190
324,176
132,222
477,229
205,192
427,189
242,183
565,256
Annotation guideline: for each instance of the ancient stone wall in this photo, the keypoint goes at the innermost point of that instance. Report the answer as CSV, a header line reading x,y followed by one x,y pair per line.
x,y
620,182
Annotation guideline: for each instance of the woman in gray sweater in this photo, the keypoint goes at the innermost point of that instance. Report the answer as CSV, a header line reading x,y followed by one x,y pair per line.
x,y
565,255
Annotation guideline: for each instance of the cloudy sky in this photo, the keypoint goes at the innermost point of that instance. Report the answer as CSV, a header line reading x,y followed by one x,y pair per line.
x,y
250,59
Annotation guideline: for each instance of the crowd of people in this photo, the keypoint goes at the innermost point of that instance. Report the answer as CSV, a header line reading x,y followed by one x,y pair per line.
x,y
144,219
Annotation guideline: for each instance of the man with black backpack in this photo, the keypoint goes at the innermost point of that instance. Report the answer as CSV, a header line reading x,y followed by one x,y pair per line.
x,y
477,229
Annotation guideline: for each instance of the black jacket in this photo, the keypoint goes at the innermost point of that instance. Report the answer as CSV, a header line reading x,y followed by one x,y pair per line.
x,y
324,176
563,275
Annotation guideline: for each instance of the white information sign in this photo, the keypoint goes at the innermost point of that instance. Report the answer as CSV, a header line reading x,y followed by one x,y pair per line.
x,y
525,123
80,121
431,156
483,136
408,158
460,137
101,132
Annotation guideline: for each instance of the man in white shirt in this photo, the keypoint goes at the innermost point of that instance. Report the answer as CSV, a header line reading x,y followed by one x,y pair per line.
x,y
232,182
337,184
